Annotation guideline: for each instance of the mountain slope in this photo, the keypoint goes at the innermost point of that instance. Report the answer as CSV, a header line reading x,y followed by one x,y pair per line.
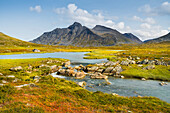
x,y
132,37
8,41
111,34
164,38
78,35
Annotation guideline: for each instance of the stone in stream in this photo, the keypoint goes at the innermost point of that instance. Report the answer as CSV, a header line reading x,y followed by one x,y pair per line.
x,y
92,69
163,83
77,67
108,70
18,68
143,79
70,72
80,75
115,94
82,84
65,64
100,70
61,72
98,76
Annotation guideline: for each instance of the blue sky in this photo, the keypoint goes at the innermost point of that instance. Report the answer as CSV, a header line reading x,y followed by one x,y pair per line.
x,y
28,19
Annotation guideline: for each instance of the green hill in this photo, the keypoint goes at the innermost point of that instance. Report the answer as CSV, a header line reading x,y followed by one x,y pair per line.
x,y
8,41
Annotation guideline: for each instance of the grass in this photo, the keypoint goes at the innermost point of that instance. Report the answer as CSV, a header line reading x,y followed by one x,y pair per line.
x,y
159,73
59,95
100,54
6,64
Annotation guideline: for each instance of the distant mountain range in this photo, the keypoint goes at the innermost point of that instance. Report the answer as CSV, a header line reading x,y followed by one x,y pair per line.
x,y
78,35
164,38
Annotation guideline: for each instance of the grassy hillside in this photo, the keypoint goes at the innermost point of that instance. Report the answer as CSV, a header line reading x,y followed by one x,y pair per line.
x,y
8,41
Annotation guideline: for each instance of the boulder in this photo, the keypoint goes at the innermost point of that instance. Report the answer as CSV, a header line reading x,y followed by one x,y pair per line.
x,y
36,50
137,58
43,65
151,62
145,61
122,76
100,64
132,62
70,72
143,79
98,76
53,67
115,94
149,67
126,63
10,76
108,70
118,68
92,69
129,57
163,83
65,64
100,70
82,84
4,82
77,67
18,68
80,75
1,74
62,72
140,65
111,63
32,85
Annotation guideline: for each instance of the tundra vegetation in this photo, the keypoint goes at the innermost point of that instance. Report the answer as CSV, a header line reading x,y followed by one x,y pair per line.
x,y
50,94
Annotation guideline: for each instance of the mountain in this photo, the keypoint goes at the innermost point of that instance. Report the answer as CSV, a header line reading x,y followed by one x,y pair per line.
x,y
111,34
78,35
7,41
165,38
132,37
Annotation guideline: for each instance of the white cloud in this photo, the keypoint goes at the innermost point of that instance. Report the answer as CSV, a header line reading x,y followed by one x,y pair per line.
x,y
71,13
168,28
163,9
148,20
36,8
121,25
149,32
145,26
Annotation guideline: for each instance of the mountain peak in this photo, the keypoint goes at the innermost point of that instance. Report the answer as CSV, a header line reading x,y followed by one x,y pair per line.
x,y
132,37
101,28
75,24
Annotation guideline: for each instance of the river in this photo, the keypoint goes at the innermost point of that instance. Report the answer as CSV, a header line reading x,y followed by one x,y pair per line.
x,y
123,87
